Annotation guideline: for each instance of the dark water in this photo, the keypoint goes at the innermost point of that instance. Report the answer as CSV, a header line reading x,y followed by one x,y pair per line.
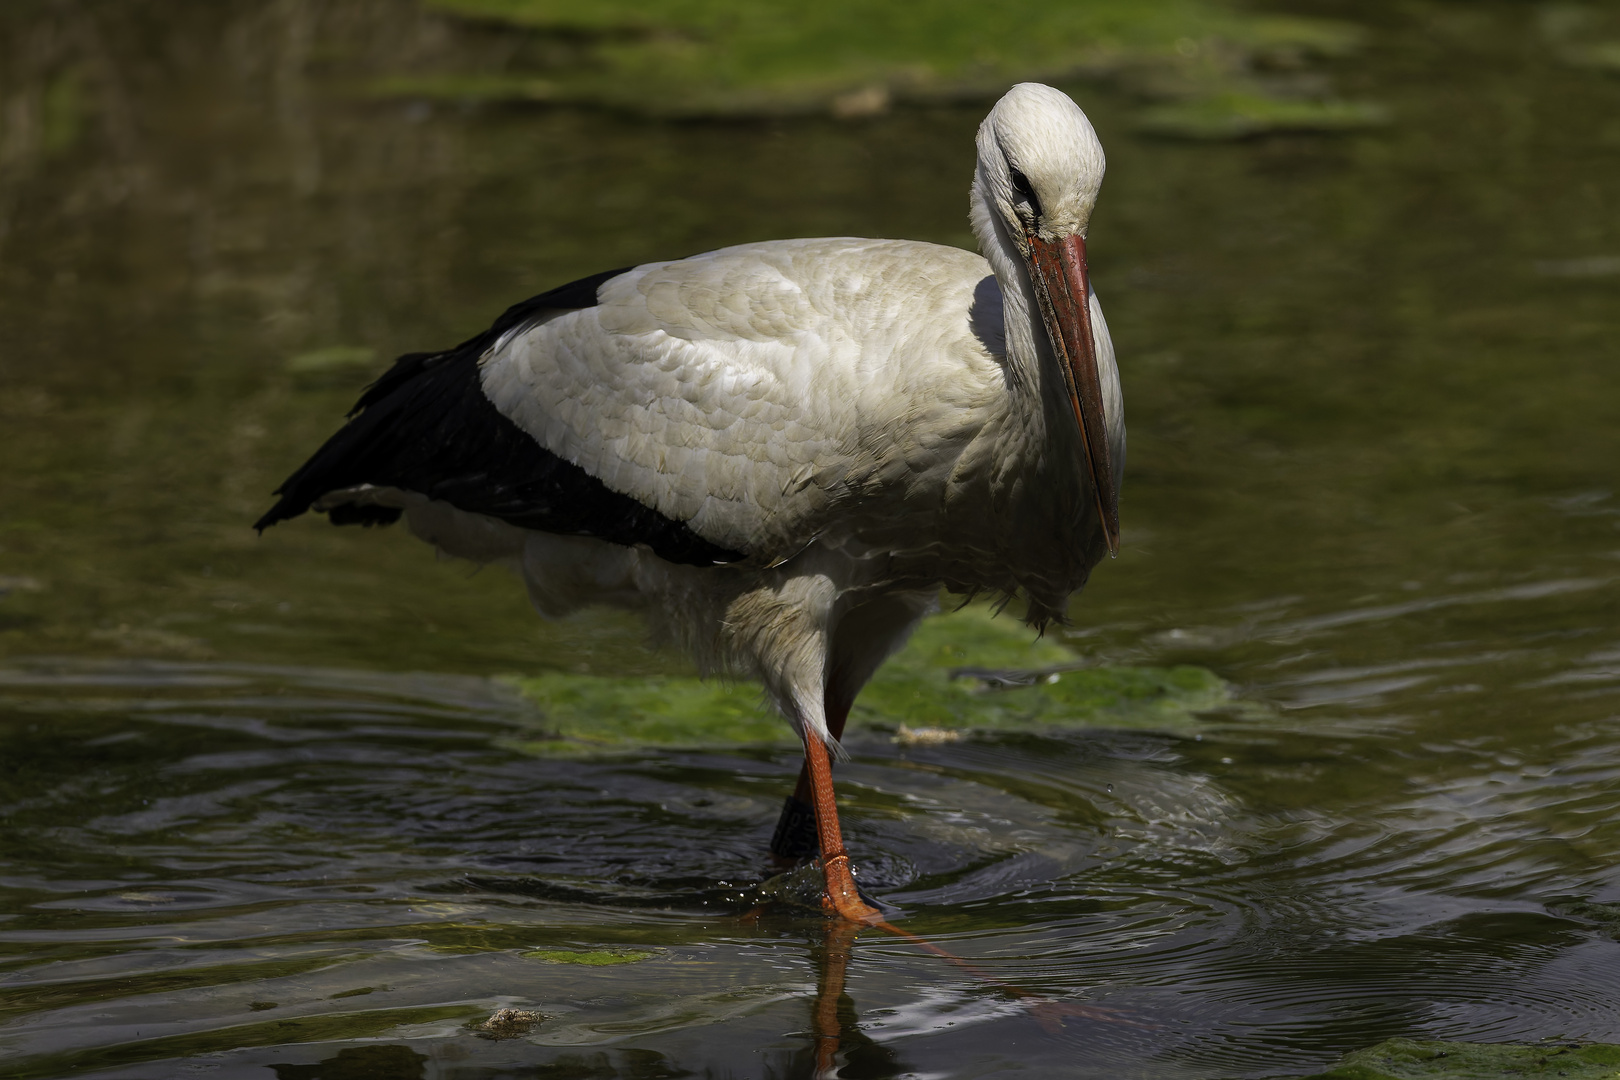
x,y
258,811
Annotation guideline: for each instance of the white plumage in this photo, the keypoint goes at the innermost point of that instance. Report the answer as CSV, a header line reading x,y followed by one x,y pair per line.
x,y
857,422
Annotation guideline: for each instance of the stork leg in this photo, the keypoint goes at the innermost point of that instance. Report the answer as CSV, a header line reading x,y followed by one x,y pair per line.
x,y
795,836
841,898
863,638
809,824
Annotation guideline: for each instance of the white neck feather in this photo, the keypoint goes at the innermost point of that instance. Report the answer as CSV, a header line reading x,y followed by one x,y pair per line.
x,y
1025,336
1040,165
1037,394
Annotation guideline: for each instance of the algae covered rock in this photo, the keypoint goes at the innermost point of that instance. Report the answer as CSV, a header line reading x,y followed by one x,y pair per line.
x,y
1236,115
961,674
1410,1059
855,58
1605,917
972,672
589,957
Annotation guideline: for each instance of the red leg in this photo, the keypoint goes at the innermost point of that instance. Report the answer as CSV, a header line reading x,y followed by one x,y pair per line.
x,y
841,897
815,789
795,836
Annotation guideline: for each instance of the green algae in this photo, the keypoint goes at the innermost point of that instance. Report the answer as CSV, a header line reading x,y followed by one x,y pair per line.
x,y
332,357
359,991
1242,115
64,113
1599,55
586,712
19,1000
1606,56
589,957
1606,916
971,671
858,57
961,673
289,1030
1409,1059
1582,35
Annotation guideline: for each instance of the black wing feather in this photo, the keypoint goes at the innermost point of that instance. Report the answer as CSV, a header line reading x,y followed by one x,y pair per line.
x,y
427,426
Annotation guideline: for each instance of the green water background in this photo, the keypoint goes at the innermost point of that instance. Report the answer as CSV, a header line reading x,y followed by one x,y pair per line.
x,y
1371,385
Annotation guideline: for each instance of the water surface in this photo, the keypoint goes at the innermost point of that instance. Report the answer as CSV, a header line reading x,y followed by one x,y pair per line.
x,y
260,803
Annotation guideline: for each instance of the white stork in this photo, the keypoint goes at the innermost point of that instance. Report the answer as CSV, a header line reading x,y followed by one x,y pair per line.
x,y
780,452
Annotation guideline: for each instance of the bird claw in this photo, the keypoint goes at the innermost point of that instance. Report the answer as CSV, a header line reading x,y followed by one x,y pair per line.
x,y
842,897
856,911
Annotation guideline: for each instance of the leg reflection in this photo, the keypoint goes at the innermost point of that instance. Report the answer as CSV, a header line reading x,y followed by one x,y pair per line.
x,y
833,1023
826,1022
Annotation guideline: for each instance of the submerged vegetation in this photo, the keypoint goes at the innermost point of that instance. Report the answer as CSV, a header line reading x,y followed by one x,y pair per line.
x,y
1238,115
963,673
1409,1059
589,957
1585,35
691,58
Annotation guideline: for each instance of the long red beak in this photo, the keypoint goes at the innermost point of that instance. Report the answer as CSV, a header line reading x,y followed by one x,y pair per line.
x,y
1064,291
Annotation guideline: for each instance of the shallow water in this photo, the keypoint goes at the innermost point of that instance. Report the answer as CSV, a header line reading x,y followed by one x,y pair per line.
x,y
261,807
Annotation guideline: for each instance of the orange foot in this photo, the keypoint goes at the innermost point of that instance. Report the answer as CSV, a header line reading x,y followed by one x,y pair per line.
x,y
842,898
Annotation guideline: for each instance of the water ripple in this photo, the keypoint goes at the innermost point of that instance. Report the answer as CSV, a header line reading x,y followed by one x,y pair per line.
x,y
241,839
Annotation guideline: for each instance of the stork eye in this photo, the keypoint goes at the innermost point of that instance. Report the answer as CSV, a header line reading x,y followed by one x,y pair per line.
x,y
1025,193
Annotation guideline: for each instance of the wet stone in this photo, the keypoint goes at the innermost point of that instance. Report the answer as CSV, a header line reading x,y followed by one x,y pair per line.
x,y
508,1024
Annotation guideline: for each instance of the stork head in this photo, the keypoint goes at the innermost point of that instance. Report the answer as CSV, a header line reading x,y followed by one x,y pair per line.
x,y
1040,168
